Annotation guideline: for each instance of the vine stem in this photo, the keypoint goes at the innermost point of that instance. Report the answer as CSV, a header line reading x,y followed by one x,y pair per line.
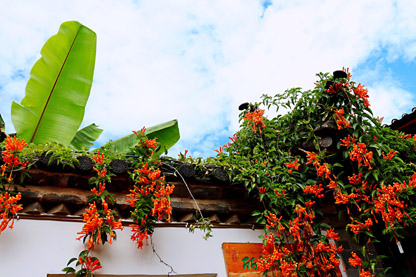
x,y
160,259
187,187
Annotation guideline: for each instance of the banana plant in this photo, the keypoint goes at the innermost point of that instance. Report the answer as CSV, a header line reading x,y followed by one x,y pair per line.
x,y
167,135
58,89
2,129
57,93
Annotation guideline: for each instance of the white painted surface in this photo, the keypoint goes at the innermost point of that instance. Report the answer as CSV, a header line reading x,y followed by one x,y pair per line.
x,y
37,247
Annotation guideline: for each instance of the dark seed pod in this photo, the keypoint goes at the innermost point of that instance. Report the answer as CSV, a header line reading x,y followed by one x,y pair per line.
x,y
118,166
187,170
243,106
340,74
45,159
85,163
220,175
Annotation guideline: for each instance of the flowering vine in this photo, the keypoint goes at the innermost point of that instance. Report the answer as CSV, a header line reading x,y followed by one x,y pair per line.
x,y
150,196
99,222
12,161
327,149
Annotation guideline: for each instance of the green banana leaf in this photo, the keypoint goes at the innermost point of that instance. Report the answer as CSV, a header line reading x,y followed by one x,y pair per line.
x,y
85,137
167,135
58,88
3,134
2,125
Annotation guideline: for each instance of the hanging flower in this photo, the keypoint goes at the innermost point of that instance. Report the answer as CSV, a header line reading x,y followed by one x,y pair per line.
x,y
255,120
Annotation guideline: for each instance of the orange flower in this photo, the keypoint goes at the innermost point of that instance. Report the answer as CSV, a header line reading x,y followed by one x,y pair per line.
x,y
359,227
234,138
355,260
92,226
347,70
355,179
360,153
315,189
101,188
361,92
162,204
390,155
99,158
14,144
330,234
347,141
90,264
293,165
336,87
255,120
8,207
102,173
262,190
150,143
340,119
138,235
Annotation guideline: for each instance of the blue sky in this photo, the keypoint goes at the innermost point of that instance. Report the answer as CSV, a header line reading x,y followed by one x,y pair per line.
x,y
196,61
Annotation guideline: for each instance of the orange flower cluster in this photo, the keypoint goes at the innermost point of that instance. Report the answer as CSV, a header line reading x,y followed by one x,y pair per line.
x,y
99,220
13,146
139,234
361,92
360,227
255,120
96,223
151,199
340,119
317,258
347,70
293,165
356,261
321,169
8,207
89,264
162,202
92,226
348,141
340,86
360,153
317,190
390,155
388,204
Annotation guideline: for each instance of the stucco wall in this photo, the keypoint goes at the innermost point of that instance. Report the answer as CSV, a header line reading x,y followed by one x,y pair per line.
x,y
37,247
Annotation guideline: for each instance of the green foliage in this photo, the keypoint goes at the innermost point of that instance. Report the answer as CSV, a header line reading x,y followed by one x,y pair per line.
x,y
59,87
85,137
167,135
327,148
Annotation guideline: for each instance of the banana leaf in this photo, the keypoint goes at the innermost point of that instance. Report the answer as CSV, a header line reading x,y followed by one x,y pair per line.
x,y
2,125
59,86
3,134
167,135
85,137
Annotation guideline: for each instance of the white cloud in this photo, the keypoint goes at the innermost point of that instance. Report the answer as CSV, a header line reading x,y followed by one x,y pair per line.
x,y
197,61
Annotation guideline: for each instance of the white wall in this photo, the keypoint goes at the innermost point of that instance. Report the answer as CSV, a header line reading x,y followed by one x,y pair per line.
x,y
34,248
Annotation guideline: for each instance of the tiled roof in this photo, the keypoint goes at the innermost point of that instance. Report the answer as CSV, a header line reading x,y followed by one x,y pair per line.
x,y
405,124
62,194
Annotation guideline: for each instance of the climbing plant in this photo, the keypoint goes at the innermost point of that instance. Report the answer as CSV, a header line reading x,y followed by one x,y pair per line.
x,y
326,148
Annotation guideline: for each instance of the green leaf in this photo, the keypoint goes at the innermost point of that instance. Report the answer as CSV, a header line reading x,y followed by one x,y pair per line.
x,y
2,125
85,137
71,261
167,135
58,88
68,270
